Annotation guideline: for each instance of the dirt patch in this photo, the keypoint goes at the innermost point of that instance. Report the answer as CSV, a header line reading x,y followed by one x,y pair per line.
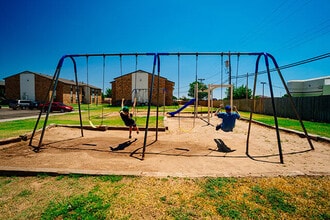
x,y
189,148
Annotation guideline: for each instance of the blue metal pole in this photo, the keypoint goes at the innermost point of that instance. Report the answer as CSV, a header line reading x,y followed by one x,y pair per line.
x,y
56,76
149,104
291,101
274,109
78,98
253,107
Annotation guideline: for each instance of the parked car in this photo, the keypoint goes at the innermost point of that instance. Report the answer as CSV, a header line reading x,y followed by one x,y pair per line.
x,y
23,104
5,101
13,104
34,104
56,106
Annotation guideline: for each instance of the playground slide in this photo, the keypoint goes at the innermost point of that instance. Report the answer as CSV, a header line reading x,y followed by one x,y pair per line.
x,y
191,101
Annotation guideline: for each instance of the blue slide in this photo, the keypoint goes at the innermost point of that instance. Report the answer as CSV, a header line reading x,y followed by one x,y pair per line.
x,y
191,101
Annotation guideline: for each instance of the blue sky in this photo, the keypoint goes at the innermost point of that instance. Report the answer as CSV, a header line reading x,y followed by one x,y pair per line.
x,y
35,34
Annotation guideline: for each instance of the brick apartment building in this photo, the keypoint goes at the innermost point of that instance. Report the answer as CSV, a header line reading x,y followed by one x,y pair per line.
x,y
28,85
2,88
137,85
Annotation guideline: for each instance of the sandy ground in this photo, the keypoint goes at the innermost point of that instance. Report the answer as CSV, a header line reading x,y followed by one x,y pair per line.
x,y
186,149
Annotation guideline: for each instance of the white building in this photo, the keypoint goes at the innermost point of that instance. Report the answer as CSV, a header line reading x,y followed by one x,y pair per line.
x,y
310,87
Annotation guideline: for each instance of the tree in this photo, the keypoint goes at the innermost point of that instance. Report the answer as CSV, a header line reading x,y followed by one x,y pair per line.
x,y
239,93
108,93
201,88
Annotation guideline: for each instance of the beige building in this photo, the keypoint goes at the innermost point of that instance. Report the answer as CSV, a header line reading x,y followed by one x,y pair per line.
x,y
33,86
137,85
310,87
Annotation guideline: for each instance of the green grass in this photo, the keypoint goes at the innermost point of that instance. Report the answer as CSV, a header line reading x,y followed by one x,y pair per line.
x,y
16,128
317,128
90,206
97,115
131,197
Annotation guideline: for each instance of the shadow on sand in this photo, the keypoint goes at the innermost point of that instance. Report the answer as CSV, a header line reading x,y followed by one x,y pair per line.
x,y
123,145
222,147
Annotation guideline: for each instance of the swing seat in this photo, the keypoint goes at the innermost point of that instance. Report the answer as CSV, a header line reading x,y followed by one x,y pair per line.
x,y
97,128
91,123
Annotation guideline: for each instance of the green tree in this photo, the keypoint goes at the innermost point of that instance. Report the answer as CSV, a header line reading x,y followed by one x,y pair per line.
x,y
184,98
108,93
239,93
202,90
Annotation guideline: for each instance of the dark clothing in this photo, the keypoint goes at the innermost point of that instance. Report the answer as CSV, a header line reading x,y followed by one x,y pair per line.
x,y
127,119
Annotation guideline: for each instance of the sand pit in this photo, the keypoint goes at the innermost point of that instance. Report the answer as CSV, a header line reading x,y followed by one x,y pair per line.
x,y
186,151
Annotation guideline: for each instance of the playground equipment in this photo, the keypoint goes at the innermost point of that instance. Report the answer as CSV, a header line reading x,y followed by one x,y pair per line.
x,y
190,102
157,63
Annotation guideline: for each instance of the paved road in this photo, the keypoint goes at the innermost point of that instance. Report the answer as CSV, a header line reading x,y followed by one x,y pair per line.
x,y
7,114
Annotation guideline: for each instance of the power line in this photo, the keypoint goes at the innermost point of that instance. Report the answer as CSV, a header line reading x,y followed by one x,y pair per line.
x,y
308,35
259,28
309,60
282,14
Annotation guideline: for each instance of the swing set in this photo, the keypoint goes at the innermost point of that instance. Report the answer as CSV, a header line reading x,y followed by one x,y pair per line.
x,y
157,63
210,89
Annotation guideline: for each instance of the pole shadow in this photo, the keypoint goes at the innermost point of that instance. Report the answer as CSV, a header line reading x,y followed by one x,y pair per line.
x,y
207,123
258,158
37,149
133,153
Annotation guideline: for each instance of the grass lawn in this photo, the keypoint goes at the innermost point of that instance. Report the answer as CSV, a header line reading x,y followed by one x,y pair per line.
x,y
317,128
94,115
131,197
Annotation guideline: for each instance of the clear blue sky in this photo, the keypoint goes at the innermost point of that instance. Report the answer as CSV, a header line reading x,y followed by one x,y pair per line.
x,y
36,33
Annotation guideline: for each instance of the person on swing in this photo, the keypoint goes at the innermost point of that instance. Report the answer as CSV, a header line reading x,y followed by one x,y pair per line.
x,y
126,116
228,119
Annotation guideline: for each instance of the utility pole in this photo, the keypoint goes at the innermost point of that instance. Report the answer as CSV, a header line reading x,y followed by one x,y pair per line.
x,y
196,67
247,86
229,70
263,89
228,67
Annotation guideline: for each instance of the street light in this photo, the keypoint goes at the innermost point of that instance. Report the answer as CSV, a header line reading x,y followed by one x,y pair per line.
x,y
201,80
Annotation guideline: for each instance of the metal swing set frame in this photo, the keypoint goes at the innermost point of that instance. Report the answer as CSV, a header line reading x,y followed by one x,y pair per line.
x,y
157,63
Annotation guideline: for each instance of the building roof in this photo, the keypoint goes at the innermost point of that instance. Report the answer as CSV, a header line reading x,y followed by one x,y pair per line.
x,y
306,80
66,81
142,71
